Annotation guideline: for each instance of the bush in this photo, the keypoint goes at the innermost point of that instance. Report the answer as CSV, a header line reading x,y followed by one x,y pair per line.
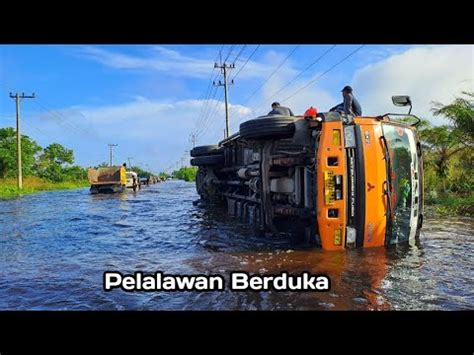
x,y
187,173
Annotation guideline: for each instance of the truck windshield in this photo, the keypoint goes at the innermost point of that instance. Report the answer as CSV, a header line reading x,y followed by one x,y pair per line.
x,y
403,171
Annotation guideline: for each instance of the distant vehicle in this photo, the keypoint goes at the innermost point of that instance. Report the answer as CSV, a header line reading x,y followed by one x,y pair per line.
x,y
143,180
132,180
107,180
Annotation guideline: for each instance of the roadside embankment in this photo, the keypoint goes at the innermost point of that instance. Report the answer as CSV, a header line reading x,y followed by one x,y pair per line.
x,y
31,184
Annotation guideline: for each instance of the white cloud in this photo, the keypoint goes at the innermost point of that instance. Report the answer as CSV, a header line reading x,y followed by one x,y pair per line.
x,y
157,131
165,60
428,73
151,131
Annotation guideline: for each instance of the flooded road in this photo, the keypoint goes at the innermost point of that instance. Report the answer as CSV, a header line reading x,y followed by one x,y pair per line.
x,y
55,246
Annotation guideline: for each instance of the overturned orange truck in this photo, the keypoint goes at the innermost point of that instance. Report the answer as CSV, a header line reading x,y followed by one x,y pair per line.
x,y
338,180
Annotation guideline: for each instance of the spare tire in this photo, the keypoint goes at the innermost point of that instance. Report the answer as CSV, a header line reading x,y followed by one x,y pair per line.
x,y
268,127
208,160
205,150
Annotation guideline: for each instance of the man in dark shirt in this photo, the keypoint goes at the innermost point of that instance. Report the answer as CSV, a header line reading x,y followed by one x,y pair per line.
x,y
280,110
350,105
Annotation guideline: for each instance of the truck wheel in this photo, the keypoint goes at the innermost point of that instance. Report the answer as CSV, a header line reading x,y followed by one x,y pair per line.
x,y
208,160
205,150
268,127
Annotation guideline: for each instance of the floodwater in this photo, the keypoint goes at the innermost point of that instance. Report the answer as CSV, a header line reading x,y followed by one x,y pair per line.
x,y
55,246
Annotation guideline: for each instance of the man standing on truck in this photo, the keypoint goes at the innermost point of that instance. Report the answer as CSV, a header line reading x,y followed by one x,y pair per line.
x,y
350,105
280,110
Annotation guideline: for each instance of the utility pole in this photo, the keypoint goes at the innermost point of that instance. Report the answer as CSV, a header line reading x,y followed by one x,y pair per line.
x,y
224,69
129,162
17,98
111,153
193,139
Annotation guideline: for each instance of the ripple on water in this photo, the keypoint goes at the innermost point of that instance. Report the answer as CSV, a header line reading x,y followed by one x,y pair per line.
x,y
65,240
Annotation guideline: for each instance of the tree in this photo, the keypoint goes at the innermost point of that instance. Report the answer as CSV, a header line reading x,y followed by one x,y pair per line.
x,y
56,153
51,162
442,142
74,173
140,171
102,165
187,173
163,175
8,151
461,113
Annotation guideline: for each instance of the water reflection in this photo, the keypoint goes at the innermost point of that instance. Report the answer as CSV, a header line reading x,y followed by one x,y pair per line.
x,y
55,246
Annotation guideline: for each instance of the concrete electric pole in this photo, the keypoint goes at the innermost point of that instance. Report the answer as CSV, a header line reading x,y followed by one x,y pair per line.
x,y
111,153
17,98
224,68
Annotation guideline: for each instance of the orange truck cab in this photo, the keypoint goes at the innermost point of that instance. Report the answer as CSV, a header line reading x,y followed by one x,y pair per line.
x,y
337,180
370,179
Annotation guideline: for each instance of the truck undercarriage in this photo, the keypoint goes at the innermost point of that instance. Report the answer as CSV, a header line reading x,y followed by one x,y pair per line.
x,y
264,175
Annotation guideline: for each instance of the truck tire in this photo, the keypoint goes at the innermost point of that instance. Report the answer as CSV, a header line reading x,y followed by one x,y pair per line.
x,y
205,150
208,160
268,127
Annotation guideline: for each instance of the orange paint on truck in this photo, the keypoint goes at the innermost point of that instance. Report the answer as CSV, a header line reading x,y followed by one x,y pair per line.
x,y
332,230
375,177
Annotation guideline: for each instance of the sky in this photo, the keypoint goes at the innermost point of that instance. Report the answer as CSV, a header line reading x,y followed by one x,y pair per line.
x,y
150,99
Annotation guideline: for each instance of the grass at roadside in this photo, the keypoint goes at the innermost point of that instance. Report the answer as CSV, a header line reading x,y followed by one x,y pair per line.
x,y
451,206
8,188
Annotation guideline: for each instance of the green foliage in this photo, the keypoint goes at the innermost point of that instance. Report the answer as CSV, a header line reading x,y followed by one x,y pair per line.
x,y
56,153
8,151
52,163
448,153
461,114
452,205
32,184
74,173
163,175
187,173
140,172
442,143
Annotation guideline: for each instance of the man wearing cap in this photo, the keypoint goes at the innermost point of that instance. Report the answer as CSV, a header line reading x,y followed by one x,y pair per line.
x,y
350,105
280,110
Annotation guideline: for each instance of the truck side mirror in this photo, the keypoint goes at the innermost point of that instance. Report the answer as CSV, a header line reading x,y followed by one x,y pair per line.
x,y
402,100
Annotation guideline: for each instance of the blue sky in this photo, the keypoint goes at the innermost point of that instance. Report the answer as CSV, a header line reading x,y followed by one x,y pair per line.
x,y
149,99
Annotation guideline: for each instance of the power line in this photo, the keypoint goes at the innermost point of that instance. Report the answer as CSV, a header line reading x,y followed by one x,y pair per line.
x,y
243,66
210,122
205,108
228,54
314,80
304,70
209,87
240,52
60,118
273,73
205,119
324,73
